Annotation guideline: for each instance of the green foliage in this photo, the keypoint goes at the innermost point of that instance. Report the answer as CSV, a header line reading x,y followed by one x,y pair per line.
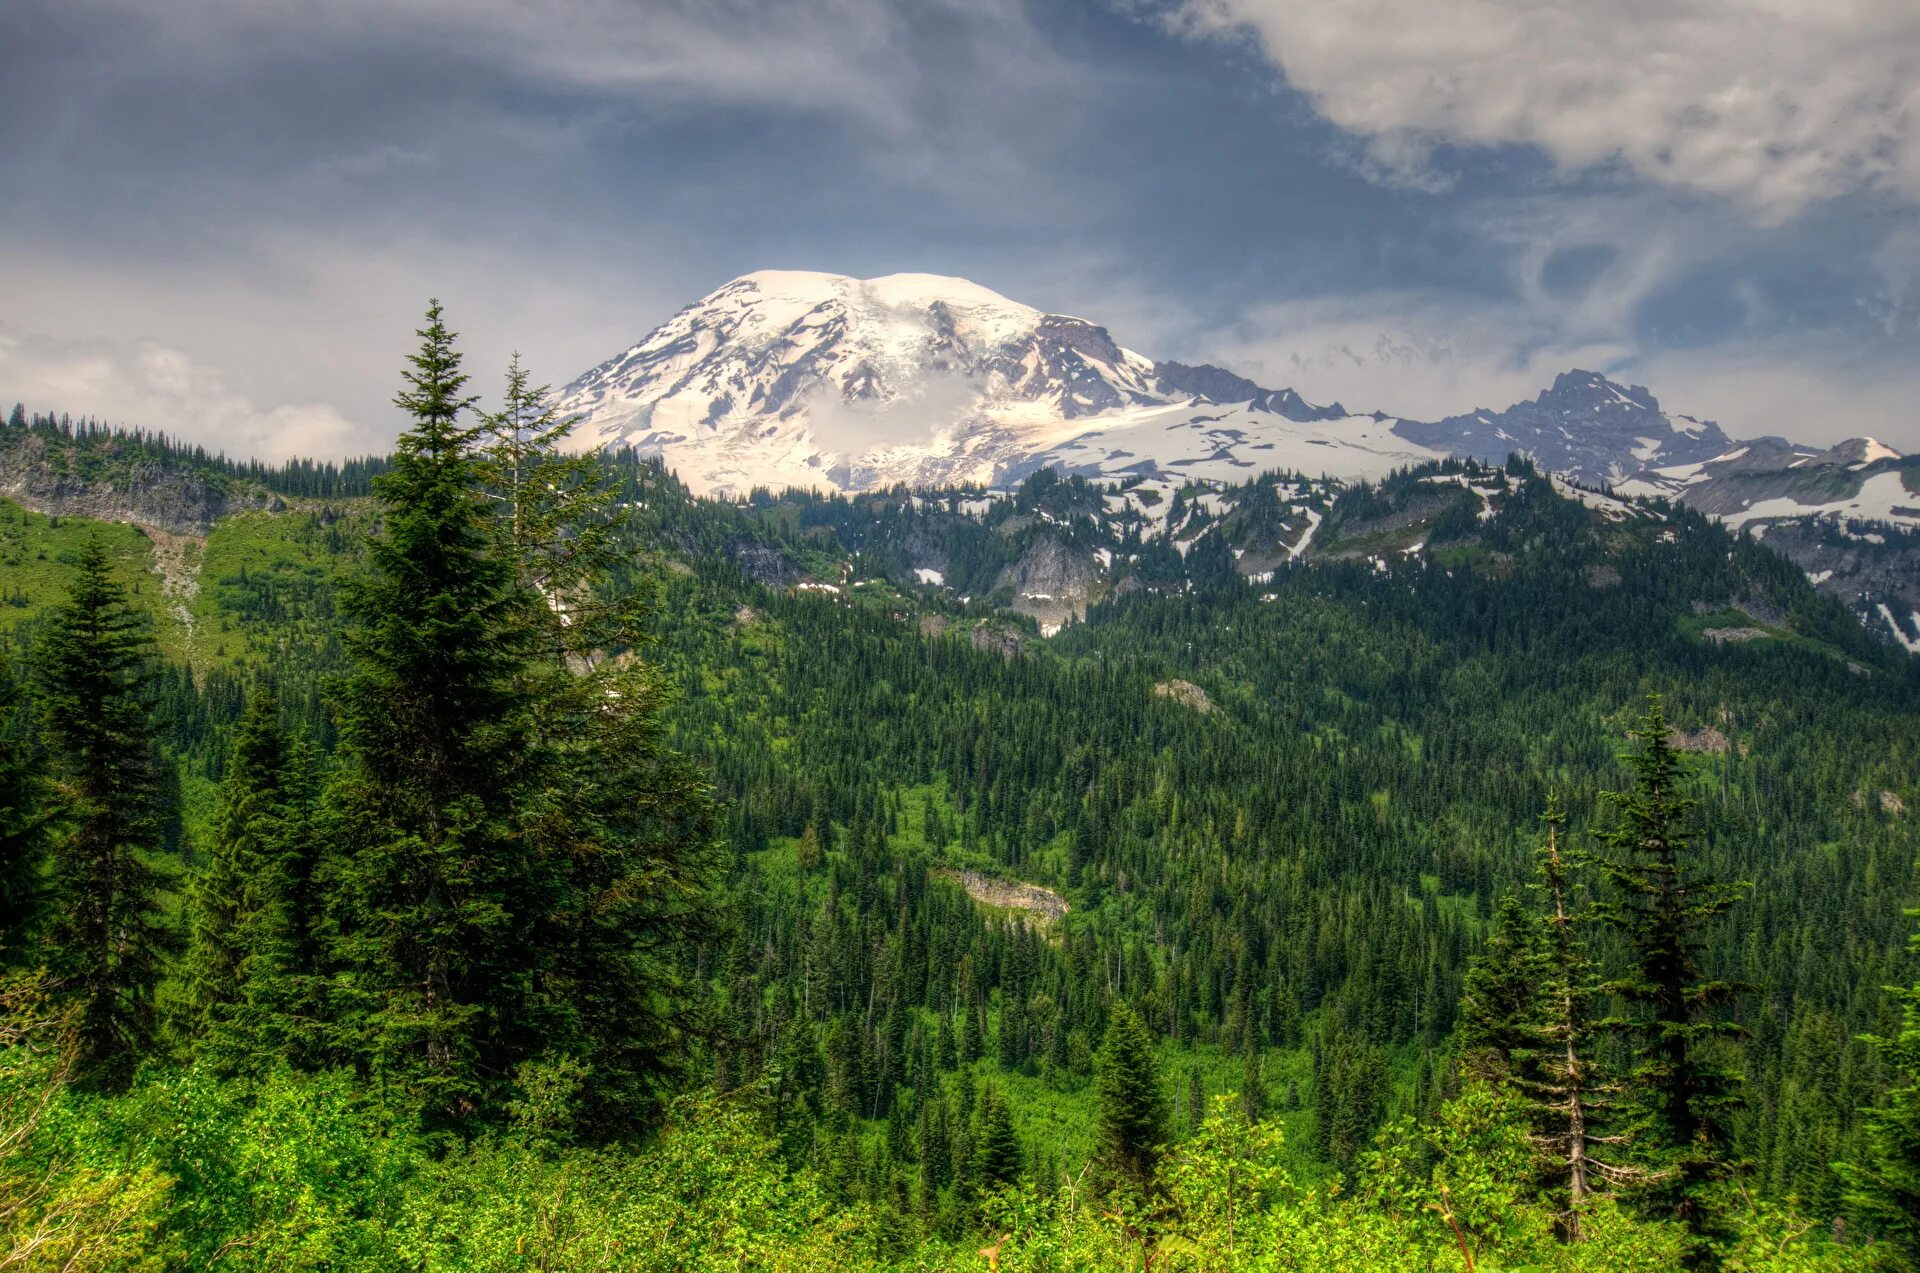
x,y
1662,905
1133,1103
252,964
1885,1183
110,933
23,817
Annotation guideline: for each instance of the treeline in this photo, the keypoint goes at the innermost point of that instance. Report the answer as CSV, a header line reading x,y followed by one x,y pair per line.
x,y
92,446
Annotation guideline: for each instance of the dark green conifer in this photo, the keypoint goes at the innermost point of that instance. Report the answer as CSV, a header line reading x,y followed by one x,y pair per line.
x,y
109,934
1500,995
1883,1184
23,821
1132,1102
250,961
996,1147
433,886
1684,1088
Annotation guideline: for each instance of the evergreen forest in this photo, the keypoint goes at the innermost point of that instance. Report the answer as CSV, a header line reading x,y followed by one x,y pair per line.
x,y
491,856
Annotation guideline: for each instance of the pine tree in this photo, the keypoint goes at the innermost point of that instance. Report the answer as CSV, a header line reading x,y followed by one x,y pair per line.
x,y
1500,996
806,854
1253,1087
433,887
996,1147
23,821
629,829
1568,1096
1011,1043
1884,1186
1526,1023
1685,1092
1132,1103
250,958
109,934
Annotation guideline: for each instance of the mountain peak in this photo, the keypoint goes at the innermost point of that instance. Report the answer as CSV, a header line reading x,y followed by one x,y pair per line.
x,y
798,378
1591,386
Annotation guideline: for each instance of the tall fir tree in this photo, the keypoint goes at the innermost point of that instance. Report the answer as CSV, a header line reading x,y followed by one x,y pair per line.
x,y
250,961
997,1157
628,829
23,820
109,934
1500,996
433,888
625,827
1526,1022
1883,1184
1132,1101
1662,906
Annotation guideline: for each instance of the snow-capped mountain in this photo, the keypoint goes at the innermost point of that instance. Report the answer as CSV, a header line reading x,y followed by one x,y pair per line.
x,y
786,378
1586,426
789,378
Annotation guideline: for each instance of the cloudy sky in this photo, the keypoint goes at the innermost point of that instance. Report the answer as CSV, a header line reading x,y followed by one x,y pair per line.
x,y
222,217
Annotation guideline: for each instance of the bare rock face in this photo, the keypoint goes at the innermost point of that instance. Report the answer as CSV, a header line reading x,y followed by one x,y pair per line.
x,y
996,638
1704,739
763,565
1187,694
1043,904
1051,582
1887,802
167,497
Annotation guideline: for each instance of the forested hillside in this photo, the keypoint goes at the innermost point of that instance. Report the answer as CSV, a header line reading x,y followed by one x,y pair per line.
x,y
491,858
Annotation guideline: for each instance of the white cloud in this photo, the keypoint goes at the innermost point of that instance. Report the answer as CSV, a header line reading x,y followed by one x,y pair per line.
x,y
1824,393
1416,355
163,390
1775,103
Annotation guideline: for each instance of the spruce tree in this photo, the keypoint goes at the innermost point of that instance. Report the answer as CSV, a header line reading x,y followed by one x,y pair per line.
x,y
1527,1023
996,1146
628,830
1500,996
250,958
109,934
432,886
1884,1185
1132,1102
23,820
1661,905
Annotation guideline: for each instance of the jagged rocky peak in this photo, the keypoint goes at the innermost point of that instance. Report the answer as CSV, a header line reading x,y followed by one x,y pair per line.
x,y
1585,425
1579,391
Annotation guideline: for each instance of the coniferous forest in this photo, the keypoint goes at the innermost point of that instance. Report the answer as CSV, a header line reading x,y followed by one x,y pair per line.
x,y
500,859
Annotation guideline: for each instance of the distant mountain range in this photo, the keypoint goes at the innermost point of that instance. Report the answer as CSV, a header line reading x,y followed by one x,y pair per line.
x,y
789,378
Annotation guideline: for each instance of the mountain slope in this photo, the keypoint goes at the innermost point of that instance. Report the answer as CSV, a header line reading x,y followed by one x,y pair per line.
x,y
1849,516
